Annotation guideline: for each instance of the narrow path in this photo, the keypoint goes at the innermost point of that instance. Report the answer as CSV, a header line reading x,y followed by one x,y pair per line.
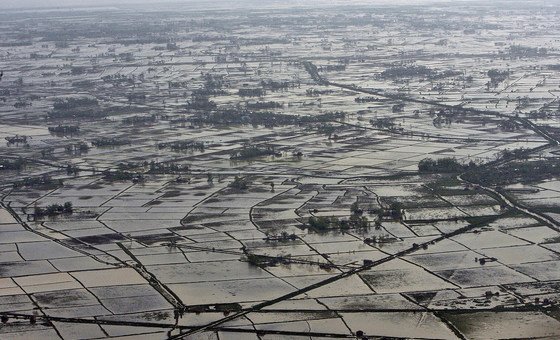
x,y
549,221
118,262
314,73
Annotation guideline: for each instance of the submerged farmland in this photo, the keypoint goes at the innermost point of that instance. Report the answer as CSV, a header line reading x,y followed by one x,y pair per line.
x,y
291,171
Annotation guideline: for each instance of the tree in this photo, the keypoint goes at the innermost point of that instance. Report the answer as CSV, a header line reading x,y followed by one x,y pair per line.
x,y
396,210
67,208
238,183
355,209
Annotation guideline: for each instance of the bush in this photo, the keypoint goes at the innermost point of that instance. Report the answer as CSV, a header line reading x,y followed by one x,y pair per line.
x,y
239,183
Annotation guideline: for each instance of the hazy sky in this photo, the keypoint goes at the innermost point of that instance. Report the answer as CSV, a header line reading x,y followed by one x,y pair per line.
x,y
67,3
211,3
13,4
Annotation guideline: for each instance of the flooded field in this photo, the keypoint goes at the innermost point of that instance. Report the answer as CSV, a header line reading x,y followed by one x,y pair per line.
x,y
280,171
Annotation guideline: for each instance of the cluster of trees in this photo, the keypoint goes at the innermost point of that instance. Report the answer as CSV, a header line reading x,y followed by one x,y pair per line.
x,y
64,130
54,210
73,103
47,152
263,118
509,125
525,51
497,76
355,221
276,85
212,87
205,92
20,103
77,148
178,84
398,108
109,141
518,153
121,175
17,139
368,100
200,102
183,145
515,172
264,105
452,165
327,130
443,165
119,80
394,212
411,71
166,168
137,120
441,120
61,44
76,107
325,223
446,74
446,116
12,164
322,118
317,93
72,169
213,81
44,181
251,92
248,152
131,165
136,97
542,113
125,56
261,260
171,46
78,70
384,123
283,237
